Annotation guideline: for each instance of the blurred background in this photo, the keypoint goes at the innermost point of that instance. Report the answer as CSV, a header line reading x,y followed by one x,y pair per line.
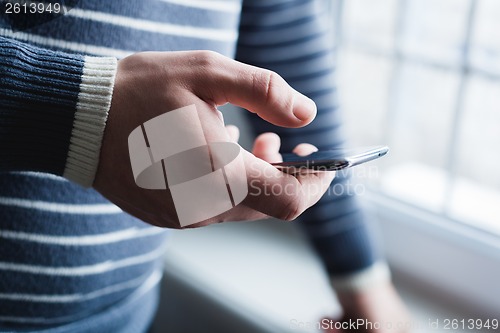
x,y
423,77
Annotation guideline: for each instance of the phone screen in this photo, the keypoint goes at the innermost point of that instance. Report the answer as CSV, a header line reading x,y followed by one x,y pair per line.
x,y
330,160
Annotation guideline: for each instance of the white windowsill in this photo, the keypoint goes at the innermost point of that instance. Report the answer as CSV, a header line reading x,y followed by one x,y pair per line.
x,y
426,186
453,258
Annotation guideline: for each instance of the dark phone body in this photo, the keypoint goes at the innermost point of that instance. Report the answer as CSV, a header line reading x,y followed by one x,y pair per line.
x,y
329,160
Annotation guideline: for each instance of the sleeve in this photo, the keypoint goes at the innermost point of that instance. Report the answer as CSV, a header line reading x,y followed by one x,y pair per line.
x,y
53,110
293,39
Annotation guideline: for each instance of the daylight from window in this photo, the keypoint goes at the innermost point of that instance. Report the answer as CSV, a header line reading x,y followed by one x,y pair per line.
x,y
423,77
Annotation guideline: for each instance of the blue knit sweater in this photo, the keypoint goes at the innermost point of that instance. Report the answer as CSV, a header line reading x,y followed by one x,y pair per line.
x,y
70,261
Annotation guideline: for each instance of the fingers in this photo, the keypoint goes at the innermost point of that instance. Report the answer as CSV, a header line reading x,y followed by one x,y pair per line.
x,y
259,90
278,194
304,149
238,213
267,147
233,132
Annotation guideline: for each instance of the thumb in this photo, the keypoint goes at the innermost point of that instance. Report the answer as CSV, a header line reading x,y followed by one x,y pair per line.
x,y
256,89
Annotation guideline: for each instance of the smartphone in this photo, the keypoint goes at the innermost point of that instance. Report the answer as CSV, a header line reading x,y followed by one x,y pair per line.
x,y
329,160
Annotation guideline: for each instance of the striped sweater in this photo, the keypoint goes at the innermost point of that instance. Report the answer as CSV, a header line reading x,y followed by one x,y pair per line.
x,y
70,261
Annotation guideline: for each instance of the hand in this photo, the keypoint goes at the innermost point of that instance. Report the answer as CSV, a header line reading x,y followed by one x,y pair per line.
x,y
267,146
150,84
380,304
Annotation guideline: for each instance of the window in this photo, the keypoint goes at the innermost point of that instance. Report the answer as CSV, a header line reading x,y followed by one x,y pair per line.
x,y
423,76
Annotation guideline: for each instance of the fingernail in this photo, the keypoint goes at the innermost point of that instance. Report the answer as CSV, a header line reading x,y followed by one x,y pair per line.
x,y
304,108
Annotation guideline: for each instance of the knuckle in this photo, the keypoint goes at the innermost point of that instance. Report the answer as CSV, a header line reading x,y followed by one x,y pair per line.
x,y
262,82
293,208
207,59
273,90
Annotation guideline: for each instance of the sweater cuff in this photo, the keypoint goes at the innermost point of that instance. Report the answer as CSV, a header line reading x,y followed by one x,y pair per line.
x,y
367,278
38,94
92,108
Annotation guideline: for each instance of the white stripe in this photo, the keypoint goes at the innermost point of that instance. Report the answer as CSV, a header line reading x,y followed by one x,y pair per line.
x,y
367,278
220,6
55,207
224,35
94,101
70,298
41,175
87,240
141,291
99,268
62,44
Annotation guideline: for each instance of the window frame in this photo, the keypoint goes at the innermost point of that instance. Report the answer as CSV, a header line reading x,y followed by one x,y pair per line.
x,y
454,257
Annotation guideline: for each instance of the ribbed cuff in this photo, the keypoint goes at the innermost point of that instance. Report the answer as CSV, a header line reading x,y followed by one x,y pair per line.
x,y
38,94
94,101
370,277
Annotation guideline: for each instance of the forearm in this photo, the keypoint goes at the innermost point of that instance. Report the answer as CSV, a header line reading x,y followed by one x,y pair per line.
x,y
53,109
